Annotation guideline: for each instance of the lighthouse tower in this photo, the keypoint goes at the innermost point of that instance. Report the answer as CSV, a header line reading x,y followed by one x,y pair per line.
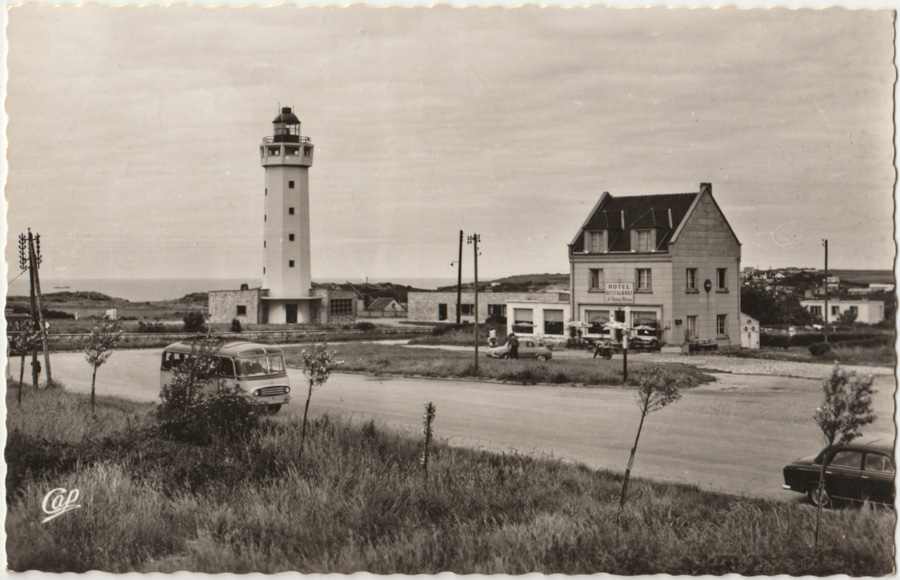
x,y
286,157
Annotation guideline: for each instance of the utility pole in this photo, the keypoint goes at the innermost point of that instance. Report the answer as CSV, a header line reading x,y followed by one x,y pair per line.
x,y
32,245
825,242
474,239
459,279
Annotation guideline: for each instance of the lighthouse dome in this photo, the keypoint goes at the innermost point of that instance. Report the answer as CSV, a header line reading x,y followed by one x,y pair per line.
x,y
287,117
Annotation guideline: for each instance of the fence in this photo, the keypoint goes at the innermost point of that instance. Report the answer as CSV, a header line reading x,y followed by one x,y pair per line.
x,y
381,314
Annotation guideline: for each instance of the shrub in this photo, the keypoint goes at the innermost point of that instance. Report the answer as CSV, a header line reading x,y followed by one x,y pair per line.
x,y
235,325
193,322
151,327
819,349
365,326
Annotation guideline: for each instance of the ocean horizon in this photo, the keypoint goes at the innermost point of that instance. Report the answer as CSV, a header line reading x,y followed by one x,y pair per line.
x,y
156,289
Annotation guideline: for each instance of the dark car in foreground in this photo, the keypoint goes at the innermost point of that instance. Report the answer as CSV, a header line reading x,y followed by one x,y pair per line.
x,y
858,471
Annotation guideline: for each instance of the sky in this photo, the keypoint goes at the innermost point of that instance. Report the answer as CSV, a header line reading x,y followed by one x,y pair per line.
x,y
133,132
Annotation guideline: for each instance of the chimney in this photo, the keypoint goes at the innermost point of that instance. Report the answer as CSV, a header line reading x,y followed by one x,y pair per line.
x,y
623,219
707,187
670,218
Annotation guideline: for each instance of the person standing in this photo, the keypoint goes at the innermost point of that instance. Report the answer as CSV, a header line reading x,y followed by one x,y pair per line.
x,y
513,343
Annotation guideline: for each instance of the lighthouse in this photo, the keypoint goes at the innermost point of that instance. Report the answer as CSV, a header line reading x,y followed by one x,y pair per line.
x,y
286,157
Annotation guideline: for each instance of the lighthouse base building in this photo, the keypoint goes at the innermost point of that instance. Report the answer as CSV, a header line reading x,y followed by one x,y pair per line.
x,y
286,295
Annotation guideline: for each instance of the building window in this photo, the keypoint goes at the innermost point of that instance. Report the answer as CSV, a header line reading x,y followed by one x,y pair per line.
x,y
467,309
340,306
721,325
290,185
596,319
290,237
265,218
692,326
307,151
497,311
596,279
835,310
553,322
721,278
595,242
290,263
264,269
267,191
643,280
816,311
241,310
523,319
854,310
264,243
290,211
691,280
643,240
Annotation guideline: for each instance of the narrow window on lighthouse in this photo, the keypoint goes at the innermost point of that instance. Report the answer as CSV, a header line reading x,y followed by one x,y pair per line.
x,y
290,237
290,211
290,263
290,185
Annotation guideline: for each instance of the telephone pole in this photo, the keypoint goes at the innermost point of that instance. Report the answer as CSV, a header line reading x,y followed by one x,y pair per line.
x,y
32,246
459,279
474,239
825,242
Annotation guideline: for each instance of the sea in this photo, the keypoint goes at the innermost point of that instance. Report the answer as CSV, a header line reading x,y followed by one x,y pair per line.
x,y
153,290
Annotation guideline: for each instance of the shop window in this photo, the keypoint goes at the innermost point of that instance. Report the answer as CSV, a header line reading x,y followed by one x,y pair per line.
x,y
523,320
596,319
553,322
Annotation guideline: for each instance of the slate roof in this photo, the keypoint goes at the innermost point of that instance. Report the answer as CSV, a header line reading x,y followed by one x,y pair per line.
x,y
640,211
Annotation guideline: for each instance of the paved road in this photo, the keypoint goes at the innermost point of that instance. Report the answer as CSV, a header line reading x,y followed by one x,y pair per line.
x,y
733,435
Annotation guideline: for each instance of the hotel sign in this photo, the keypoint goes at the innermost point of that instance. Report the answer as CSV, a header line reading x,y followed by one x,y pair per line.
x,y
620,292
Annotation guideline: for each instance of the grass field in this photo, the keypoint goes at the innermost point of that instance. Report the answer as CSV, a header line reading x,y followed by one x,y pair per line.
x,y
361,502
381,359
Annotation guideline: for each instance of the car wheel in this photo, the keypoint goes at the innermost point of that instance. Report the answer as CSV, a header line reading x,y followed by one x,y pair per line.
x,y
272,409
505,355
814,495
541,357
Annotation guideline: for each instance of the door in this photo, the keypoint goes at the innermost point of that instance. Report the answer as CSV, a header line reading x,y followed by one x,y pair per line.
x,y
843,477
442,312
878,478
290,313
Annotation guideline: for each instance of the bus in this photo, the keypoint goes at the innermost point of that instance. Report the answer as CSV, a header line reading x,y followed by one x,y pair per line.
x,y
257,368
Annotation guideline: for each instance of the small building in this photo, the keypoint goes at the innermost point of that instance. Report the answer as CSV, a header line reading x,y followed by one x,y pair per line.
x,y
867,311
436,306
385,304
749,332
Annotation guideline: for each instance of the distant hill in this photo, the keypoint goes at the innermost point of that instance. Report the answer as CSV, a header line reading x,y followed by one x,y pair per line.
x,y
518,283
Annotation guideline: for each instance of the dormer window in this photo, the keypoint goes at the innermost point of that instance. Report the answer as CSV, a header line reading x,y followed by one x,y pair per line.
x,y
595,241
643,240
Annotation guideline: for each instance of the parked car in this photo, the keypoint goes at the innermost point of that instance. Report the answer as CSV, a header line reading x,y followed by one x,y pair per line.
x,y
645,337
859,471
528,348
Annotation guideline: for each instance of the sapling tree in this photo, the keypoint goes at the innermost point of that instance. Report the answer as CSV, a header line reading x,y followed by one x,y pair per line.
x,y
657,389
428,419
100,346
26,341
318,364
846,408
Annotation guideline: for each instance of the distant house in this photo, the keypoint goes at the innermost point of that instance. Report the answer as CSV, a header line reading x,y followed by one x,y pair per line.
x,y
440,306
867,311
385,304
671,260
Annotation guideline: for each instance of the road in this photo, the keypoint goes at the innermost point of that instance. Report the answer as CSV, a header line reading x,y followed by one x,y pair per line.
x,y
732,435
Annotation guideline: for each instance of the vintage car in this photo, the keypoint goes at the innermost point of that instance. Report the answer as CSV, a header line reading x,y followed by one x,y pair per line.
x,y
859,471
528,348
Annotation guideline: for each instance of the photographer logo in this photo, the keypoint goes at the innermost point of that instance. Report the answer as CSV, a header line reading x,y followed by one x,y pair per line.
x,y
58,501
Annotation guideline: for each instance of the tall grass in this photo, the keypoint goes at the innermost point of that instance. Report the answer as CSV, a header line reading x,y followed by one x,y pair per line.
x,y
381,359
359,502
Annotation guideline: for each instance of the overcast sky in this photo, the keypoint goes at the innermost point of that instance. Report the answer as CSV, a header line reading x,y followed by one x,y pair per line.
x,y
133,132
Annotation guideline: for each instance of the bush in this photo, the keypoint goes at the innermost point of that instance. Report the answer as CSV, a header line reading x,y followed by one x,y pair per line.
x,y
819,349
193,322
151,327
235,325
365,326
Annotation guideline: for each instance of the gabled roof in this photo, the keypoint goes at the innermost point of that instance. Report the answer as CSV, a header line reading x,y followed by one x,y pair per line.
x,y
618,215
380,303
